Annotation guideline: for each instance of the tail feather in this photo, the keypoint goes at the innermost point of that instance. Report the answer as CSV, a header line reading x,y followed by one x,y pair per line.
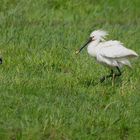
x,y
125,62
132,55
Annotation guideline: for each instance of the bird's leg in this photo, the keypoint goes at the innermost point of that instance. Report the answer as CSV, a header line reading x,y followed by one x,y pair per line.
x,y
118,74
107,76
113,79
112,74
115,75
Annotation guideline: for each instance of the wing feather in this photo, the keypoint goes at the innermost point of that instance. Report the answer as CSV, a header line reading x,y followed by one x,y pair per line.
x,y
115,49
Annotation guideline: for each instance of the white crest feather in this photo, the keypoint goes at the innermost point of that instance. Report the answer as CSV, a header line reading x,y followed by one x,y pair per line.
x,y
99,34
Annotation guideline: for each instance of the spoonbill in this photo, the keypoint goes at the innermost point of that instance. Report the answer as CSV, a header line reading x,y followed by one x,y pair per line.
x,y
110,53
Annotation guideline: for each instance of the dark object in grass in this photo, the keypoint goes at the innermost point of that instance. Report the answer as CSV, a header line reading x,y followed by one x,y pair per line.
x,y
0,60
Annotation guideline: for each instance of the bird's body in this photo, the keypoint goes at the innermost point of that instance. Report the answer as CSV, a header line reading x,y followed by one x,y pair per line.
x,y
110,53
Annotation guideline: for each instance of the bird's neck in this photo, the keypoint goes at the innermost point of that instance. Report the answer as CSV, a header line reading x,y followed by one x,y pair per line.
x,y
92,48
94,43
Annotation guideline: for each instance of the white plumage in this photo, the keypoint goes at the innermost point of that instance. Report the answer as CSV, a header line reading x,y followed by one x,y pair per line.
x,y
111,53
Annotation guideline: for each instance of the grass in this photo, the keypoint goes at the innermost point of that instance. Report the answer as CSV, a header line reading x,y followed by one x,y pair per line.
x,y
46,91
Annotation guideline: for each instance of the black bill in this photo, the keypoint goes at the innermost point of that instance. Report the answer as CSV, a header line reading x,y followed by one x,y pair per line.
x,y
89,40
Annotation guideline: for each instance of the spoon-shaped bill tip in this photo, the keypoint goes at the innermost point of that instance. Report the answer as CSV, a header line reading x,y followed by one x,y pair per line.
x,y
77,51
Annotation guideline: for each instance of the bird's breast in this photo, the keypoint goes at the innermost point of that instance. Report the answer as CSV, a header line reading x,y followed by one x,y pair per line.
x,y
92,51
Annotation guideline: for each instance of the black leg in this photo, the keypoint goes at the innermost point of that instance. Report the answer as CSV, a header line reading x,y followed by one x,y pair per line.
x,y
107,76
118,74
111,75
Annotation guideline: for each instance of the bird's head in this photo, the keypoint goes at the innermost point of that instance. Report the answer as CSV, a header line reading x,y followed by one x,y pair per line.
x,y
97,35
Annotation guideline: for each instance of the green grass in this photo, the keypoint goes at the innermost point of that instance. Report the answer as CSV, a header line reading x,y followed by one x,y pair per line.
x,y
46,91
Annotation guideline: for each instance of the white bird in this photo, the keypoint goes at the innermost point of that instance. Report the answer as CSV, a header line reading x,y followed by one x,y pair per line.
x,y
110,53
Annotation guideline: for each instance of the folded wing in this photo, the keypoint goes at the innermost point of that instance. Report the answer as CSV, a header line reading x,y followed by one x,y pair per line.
x,y
113,53
115,49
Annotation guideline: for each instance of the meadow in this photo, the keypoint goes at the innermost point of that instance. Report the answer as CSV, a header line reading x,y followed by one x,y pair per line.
x,y
49,93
